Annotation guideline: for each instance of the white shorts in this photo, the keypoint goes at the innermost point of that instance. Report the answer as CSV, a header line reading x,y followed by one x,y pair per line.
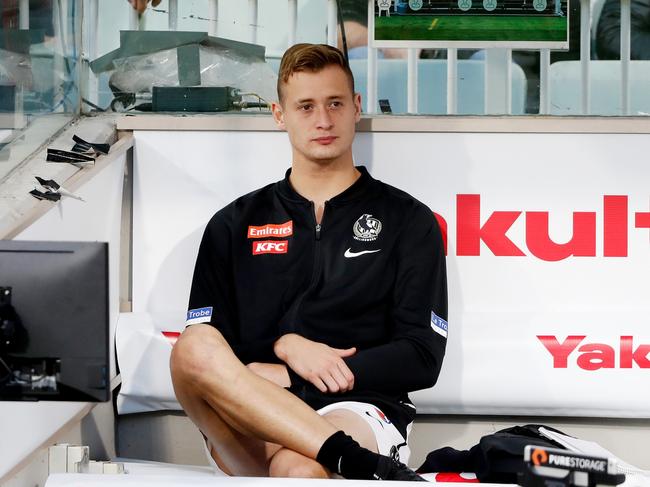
x,y
389,440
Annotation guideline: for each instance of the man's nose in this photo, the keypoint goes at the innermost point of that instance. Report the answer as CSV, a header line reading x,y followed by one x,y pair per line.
x,y
324,118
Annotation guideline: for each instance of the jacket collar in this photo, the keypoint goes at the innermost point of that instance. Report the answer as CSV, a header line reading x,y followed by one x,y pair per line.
x,y
355,192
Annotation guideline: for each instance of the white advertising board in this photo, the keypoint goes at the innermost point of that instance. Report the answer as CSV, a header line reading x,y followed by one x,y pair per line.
x,y
548,242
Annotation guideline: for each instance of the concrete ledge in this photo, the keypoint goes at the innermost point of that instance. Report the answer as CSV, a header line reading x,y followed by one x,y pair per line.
x,y
396,123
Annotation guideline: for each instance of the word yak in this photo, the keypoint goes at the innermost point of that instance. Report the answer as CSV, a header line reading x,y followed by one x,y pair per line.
x,y
595,356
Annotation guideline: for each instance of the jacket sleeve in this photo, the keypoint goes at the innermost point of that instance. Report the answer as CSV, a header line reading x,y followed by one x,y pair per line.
x,y
213,288
413,357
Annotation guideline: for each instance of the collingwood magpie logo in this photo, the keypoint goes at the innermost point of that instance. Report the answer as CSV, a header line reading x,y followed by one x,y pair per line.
x,y
366,228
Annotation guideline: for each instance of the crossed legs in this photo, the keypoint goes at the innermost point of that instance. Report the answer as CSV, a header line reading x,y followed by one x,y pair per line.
x,y
255,427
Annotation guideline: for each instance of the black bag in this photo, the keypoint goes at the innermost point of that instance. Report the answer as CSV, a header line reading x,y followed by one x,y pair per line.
x,y
498,457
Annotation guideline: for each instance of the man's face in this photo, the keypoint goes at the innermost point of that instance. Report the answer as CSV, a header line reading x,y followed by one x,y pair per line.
x,y
319,113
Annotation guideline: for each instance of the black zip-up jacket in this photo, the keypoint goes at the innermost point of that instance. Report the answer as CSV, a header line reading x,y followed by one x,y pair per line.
x,y
371,276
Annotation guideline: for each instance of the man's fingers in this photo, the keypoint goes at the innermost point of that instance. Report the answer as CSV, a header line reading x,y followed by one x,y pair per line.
x,y
136,5
347,352
317,381
331,383
141,6
347,373
341,381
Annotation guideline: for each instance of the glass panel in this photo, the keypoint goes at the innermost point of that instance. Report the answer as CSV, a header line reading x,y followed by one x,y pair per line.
x,y
164,64
161,57
39,74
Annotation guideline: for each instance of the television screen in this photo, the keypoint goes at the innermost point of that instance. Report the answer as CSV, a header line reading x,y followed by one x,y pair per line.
x,y
54,321
519,24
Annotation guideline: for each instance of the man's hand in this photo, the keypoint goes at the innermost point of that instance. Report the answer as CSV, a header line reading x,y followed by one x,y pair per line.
x,y
276,373
316,362
141,5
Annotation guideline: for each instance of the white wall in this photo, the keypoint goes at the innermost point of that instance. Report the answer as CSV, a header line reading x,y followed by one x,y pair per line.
x,y
503,305
96,219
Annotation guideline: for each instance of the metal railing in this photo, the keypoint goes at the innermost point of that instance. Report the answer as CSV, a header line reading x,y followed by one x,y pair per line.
x,y
498,78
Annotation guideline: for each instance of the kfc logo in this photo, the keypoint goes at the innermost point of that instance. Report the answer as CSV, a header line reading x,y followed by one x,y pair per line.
x,y
594,356
270,247
472,229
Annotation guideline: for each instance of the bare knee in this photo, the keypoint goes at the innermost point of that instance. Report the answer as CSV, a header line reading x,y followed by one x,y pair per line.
x,y
289,464
194,354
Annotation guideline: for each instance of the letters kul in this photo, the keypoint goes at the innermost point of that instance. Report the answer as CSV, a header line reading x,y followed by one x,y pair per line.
x,y
493,232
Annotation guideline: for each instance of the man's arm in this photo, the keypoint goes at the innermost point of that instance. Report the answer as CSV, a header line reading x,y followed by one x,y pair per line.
x,y
212,291
413,357
315,362
276,373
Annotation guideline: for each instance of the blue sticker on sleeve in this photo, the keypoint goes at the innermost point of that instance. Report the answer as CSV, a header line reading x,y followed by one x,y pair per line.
x,y
199,315
439,325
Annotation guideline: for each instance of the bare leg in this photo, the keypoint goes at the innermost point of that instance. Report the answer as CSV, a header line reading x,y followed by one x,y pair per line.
x,y
288,463
226,400
243,456
234,452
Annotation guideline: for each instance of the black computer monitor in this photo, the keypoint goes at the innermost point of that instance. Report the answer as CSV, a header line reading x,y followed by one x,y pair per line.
x,y
54,325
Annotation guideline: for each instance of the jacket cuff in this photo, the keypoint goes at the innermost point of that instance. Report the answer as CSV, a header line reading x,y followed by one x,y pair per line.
x,y
261,351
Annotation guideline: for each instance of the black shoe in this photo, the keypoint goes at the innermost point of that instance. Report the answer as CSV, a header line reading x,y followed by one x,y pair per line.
x,y
389,469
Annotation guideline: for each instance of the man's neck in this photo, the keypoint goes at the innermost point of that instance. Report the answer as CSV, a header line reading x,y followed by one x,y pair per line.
x,y
321,182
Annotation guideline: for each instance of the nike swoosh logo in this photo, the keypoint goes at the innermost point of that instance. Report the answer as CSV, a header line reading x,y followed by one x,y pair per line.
x,y
349,253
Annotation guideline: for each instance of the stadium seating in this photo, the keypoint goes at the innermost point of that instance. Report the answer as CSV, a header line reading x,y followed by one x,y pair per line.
x,y
432,85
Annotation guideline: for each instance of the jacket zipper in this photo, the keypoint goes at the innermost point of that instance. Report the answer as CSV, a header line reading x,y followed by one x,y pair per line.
x,y
318,228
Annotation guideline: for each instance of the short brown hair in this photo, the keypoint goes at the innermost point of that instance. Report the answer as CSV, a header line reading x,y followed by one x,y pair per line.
x,y
311,57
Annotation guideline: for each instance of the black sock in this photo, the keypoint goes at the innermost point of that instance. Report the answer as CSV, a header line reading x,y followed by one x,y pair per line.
x,y
341,454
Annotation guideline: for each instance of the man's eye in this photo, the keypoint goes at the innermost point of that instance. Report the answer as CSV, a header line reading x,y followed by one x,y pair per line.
x,y
336,104
305,107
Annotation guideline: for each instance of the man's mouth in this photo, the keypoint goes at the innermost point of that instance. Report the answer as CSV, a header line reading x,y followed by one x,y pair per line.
x,y
324,140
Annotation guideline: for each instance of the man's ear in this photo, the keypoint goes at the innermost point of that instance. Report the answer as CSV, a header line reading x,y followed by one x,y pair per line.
x,y
278,115
357,106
